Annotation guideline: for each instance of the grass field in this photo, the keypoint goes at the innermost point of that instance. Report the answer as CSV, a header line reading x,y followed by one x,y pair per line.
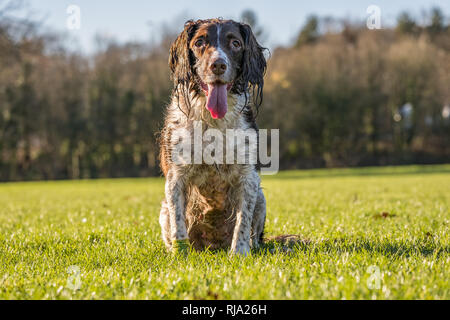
x,y
374,233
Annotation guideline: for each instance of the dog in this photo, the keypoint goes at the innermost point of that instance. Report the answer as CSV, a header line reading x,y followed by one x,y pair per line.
x,y
218,69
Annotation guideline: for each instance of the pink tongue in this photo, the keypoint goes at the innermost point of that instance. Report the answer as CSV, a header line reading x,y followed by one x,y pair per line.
x,y
217,100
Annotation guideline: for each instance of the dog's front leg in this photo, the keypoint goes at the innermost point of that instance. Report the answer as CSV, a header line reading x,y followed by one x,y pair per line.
x,y
175,197
247,196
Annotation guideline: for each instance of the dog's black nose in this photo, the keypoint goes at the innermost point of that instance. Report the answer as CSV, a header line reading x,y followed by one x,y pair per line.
x,y
219,67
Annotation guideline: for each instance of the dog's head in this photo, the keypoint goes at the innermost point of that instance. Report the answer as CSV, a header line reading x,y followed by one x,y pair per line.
x,y
214,57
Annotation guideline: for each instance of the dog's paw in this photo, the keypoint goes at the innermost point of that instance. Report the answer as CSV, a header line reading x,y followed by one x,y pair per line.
x,y
180,246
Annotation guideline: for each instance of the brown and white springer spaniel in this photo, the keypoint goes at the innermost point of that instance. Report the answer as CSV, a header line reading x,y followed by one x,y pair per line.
x,y
217,68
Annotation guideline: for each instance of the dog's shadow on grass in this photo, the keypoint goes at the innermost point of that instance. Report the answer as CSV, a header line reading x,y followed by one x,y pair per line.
x,y
290,244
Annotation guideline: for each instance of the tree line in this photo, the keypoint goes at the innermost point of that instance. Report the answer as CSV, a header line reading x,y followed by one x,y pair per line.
x,y
341,95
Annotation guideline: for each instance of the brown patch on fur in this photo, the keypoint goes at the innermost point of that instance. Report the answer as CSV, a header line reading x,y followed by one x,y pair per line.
x,y
253,66
163,153
210,217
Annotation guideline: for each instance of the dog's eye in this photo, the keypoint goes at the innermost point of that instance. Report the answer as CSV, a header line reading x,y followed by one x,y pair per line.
x,y
199,43
236,44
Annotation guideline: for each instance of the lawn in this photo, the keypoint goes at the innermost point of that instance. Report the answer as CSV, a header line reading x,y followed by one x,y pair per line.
x,y
370,233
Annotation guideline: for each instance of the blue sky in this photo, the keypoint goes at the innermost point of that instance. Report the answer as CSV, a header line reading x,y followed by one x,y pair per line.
x,y
142,20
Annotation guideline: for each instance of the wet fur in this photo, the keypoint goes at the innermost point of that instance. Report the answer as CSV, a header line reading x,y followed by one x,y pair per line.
x,y
213,206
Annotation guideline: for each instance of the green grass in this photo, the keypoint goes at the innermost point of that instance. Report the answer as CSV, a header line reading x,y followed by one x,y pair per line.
x,y
110,230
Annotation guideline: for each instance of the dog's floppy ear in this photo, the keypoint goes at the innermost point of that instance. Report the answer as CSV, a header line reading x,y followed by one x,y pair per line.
x,y
253,64
180,59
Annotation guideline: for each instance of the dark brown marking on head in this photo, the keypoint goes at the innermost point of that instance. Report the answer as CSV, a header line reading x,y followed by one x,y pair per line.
x,y
218,51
